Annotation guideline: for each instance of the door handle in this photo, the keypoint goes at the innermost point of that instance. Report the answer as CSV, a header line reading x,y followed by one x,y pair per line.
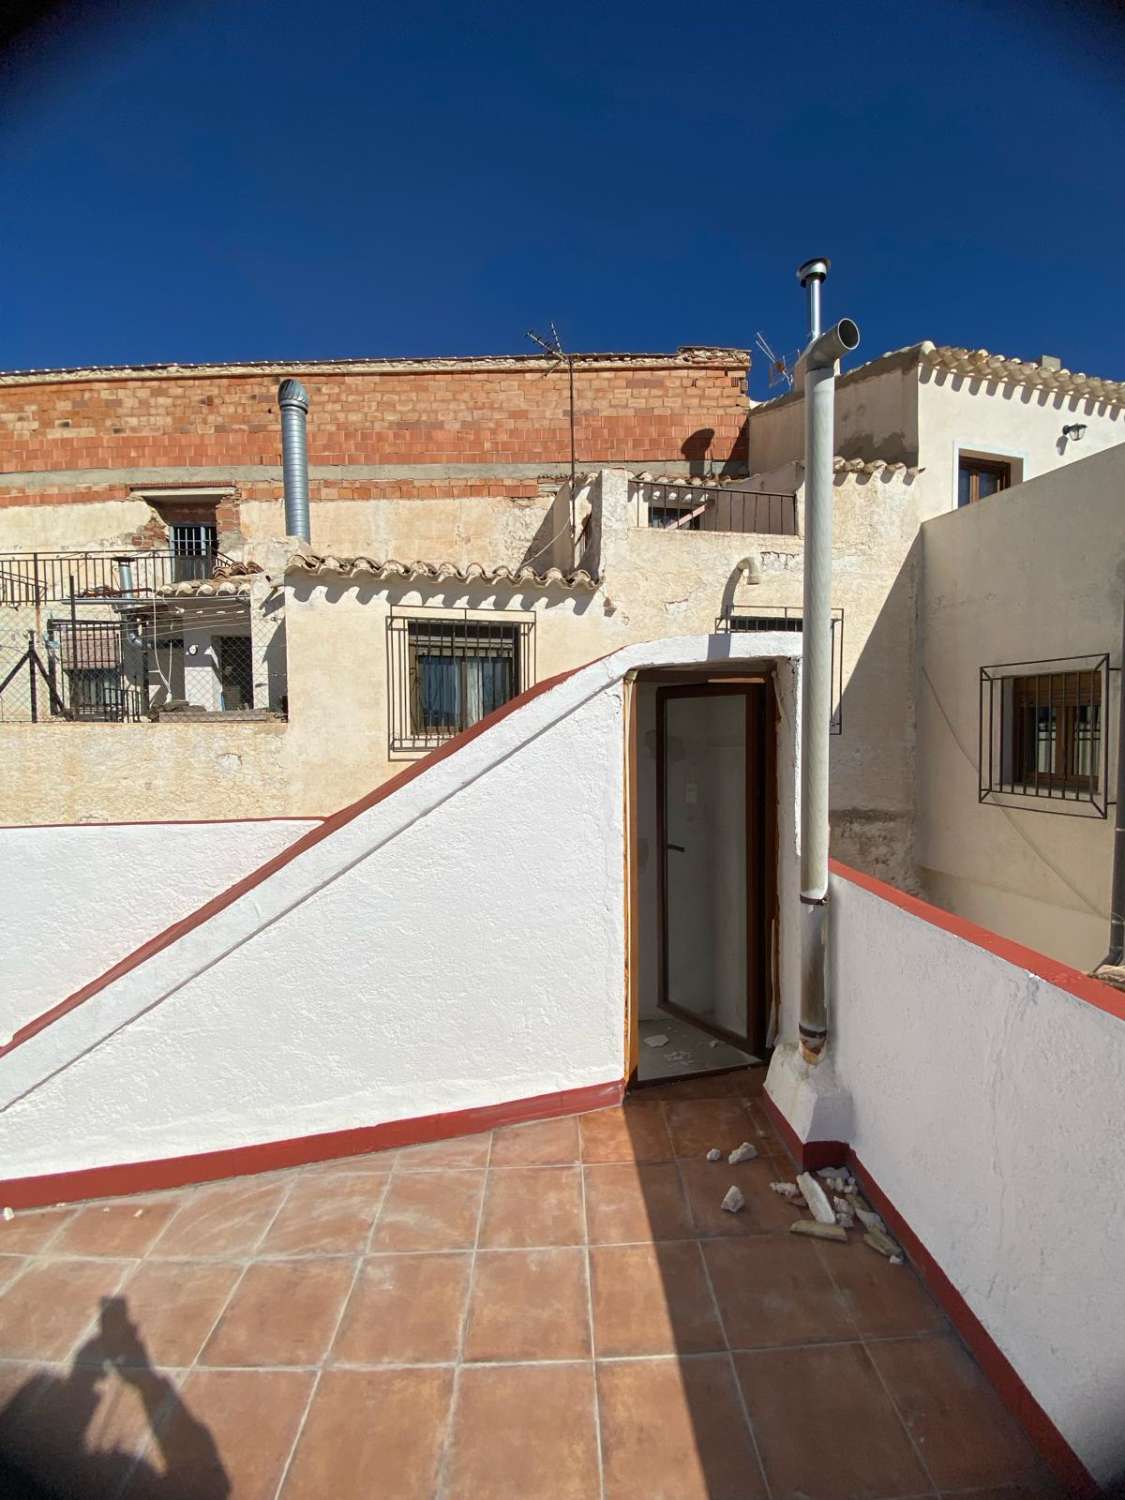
x,y
678,847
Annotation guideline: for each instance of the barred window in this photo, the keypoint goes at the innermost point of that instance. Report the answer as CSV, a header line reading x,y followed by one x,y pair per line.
x,y
790,617
1041,733
448,674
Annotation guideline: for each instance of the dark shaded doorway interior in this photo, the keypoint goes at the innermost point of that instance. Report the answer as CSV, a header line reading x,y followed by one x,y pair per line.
x,y
703,849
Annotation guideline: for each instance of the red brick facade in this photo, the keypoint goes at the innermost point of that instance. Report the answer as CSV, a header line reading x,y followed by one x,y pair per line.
x,y
488,414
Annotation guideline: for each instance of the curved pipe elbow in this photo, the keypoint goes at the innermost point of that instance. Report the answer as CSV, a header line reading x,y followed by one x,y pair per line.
x,y
832,345
292,393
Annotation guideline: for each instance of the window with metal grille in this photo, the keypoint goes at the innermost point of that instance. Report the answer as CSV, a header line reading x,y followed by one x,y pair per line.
x,y
447,674
1041,734
788,617
686,517
193,550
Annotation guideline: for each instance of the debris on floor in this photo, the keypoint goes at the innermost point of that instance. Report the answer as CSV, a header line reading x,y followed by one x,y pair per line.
x,y
819,1231
714,1154
734,1202
845,1214
866,1214
815,1196
745,1152
788,1190
883,1244
660,1040
679,1057
9,1215
714,1044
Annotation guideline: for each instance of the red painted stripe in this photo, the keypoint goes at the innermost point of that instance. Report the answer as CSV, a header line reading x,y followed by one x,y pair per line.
x,y
169,822
1056,1451
307,840
1073,981
243,1161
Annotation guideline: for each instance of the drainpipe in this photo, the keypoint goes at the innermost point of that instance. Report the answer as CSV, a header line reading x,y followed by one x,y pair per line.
x,y
1116,955
819,363
293,400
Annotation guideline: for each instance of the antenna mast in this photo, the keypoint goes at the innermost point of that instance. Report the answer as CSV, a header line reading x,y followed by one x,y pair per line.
x,y
554,347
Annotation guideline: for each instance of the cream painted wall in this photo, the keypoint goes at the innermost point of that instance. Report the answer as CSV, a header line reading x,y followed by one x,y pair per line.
x,y
989,1105
1034,573
401,966
87,896
876,417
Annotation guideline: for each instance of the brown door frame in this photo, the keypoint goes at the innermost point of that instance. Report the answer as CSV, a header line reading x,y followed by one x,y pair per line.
x,y
761,852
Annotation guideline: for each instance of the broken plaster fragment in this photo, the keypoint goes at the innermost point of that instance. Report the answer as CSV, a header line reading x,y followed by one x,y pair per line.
x,y
882,1243
656,1041
745,1152
714,1154
819,1231
870,1219
734,1202
9,1215
815,1197
788,1190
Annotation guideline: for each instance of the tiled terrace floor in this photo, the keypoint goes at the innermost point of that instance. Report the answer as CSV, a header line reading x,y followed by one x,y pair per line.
x,y
555,1311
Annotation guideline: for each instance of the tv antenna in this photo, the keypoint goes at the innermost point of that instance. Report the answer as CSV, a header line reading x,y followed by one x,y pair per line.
x,y
781,366
553,346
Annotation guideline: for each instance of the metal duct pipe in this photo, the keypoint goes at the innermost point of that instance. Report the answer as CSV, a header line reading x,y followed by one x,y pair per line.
x,y
293,400
125,576
819,361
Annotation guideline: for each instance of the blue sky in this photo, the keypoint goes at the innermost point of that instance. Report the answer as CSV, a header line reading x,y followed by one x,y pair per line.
x,y
265,179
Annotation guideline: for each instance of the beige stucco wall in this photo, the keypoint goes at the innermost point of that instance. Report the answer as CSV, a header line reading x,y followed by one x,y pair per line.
x,y
876,417
1035,573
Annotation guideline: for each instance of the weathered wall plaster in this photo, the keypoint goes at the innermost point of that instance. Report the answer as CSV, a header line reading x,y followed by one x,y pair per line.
x,y
1035,573
80,898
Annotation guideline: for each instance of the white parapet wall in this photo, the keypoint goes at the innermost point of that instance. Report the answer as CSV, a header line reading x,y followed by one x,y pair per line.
x,y
449,943
79,897
987,1101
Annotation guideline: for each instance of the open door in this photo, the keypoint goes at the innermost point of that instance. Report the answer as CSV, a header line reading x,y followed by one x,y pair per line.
x,y
714,808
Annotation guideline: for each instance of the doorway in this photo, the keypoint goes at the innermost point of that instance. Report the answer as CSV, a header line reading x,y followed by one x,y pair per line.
x,y
707,808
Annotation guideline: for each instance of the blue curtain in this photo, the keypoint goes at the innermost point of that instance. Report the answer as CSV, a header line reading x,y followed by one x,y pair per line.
x,y
457,691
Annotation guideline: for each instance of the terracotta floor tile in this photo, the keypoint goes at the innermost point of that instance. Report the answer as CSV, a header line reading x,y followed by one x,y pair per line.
x,y
44,1312
697,1125
792,1394
430,1211
884,1300
544,1143
326,1214
773,1290
963,1431
633,1132
124,1228
78,1432
368,1161
227,1219
628,1202
174,1305
434,1156
405,1309
529,1304
676,1429
706,1184
372,1433
10,1268
229,1435
31,1230
652,1299
532,1206
524,1432
282,1313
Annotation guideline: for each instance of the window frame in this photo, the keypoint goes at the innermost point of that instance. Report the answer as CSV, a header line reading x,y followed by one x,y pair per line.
x,y
410,632
1014,697
975,465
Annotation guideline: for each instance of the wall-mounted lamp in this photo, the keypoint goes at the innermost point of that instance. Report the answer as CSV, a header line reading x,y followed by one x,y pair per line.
x,y
1075,430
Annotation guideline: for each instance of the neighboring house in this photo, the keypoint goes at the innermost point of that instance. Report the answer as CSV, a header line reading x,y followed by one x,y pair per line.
x,y
454,562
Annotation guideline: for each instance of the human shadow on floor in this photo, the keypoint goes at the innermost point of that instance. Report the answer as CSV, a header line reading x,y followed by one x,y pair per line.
x,y
48,1427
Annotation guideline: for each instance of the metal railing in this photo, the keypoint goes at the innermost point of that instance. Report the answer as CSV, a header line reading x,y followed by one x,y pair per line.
x,y
689,507
1042,736
790,617
445,673
36,578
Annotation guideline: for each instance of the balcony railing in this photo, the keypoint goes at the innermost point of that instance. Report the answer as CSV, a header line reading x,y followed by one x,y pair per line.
x,y
701,507
35,578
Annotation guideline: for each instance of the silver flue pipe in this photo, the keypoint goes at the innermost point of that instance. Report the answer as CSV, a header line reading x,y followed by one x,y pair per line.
x,y
819,363
293,400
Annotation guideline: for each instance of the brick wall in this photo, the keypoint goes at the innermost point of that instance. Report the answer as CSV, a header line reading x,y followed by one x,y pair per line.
x,y
637,411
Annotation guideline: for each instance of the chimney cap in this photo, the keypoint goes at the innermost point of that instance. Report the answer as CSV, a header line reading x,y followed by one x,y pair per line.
x,y
1050,362
813,269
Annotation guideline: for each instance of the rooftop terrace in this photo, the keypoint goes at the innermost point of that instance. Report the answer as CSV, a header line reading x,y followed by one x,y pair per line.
x,y
553,1311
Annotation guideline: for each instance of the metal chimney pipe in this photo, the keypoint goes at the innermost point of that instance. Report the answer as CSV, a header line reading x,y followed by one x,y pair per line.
x,y
293,400
819,362
1116,952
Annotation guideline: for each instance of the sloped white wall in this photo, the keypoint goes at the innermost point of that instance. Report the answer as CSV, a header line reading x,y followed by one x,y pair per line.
x,y
79,898
460,943
989,1105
